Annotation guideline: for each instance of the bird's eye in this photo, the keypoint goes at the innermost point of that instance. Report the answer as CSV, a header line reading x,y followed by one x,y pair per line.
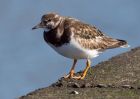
x,y
49,20
45,21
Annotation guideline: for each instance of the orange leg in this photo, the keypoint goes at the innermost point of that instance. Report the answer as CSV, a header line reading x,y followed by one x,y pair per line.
x,y
85,70
71,73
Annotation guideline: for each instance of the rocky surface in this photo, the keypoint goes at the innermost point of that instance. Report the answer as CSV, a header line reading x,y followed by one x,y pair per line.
x,y
117,78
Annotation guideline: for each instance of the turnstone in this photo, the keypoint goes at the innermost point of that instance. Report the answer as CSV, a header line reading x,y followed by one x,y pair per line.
x,y
75,39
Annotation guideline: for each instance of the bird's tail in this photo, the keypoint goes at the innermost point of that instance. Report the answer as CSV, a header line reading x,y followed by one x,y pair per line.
x,y
123,43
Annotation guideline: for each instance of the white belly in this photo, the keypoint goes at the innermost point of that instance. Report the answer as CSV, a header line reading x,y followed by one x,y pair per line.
x,y
75,51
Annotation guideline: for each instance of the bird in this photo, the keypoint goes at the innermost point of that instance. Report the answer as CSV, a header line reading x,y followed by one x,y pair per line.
x,y
76,40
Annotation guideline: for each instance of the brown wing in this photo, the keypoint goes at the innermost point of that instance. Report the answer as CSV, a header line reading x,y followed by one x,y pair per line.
x,y
100,43
92,38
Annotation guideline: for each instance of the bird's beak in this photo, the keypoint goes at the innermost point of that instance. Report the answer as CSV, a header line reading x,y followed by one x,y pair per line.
x,y
40,25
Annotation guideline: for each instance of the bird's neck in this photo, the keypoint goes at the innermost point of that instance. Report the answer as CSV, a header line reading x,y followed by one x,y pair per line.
x,y
57,36
60,28
58,31
46,30
55,33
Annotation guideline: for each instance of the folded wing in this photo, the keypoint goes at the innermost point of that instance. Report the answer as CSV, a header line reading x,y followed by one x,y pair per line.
x,y
90,37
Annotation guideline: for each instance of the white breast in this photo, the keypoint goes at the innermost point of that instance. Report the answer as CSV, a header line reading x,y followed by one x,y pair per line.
x,y
75,51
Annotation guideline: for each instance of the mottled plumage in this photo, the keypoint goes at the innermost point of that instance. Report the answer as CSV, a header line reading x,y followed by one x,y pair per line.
x,y
90,37
75,39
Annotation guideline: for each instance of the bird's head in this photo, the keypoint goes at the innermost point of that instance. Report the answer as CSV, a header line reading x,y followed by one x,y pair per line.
x,y
49,21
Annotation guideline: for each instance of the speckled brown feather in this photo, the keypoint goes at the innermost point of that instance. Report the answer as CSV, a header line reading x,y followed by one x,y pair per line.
x,y
87,36
90,37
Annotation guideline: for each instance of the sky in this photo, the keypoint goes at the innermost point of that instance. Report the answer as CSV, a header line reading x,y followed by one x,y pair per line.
x,y
28,63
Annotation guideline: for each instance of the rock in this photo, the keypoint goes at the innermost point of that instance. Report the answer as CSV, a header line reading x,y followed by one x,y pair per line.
x,y
74,92
117,78
101,85
58,84
127,86
73,85
86,85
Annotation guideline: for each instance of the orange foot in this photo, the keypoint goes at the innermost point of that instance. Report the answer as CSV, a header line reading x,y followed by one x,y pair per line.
x,y
71,74
74,77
